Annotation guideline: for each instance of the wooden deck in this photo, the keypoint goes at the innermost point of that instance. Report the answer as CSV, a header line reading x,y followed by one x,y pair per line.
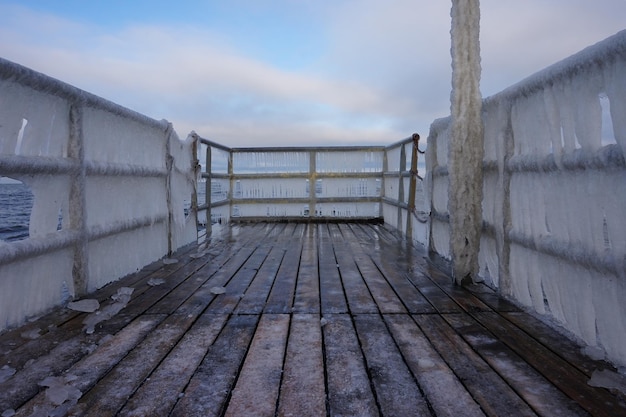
x,y
316,319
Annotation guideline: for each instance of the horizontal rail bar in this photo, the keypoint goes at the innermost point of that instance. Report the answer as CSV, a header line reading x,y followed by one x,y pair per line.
x,y
29,248
109,169
99,232
214,144
304,149
11,71
16,164
311,219
304,200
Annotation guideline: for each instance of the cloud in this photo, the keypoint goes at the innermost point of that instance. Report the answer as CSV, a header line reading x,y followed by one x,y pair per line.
x,y
377,71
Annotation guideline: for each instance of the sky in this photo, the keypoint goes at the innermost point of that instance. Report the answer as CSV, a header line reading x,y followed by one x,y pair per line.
x,y
291,72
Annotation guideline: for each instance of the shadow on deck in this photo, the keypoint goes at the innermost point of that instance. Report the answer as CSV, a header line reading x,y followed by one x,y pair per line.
x,y
316,319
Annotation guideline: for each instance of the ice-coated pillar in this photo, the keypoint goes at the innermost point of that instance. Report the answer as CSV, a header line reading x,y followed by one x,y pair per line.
x,y
465,152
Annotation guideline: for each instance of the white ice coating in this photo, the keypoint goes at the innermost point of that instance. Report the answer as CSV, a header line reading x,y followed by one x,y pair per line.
x,y
466,141
112,191
554,194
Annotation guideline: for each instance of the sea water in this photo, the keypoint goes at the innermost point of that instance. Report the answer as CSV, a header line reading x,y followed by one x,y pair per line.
x,y
16,203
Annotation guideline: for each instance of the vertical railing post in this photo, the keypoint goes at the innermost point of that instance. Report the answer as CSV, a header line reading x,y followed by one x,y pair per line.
x,y
77,203
312,183
207,191
231,181
401,170
412,186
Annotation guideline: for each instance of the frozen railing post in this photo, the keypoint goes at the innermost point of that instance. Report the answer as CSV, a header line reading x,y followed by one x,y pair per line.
x,y
466,144
553,194
121,181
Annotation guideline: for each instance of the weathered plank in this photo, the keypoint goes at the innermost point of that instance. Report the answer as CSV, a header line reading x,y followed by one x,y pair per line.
x,y
280,299
396,391
307,296
332,296
112,391
256,390
444,391
357,293
253,301
494,395
349,390
159,393
597,401
239,282
85,374
302,392
382,292
208,390
553,340
544,398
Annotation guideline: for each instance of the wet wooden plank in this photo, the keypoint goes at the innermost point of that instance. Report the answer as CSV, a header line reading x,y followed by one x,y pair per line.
x,y
208,390
396,391
465,299
159,393
332,296
444,391
349,390
492,298
307,296
553,340
493,394
211,261
357,293
383,294
435,295
280,299
253,301
543,397
410,297
597,401
204,295
256,390
238,284
112,391
91,368
302,390
392,257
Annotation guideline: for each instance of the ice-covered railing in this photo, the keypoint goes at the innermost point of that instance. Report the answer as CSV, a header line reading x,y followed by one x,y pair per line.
x,y
554,193
109,188
296,183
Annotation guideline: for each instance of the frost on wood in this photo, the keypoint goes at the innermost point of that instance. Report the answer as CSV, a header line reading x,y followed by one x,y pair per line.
x,y
465,154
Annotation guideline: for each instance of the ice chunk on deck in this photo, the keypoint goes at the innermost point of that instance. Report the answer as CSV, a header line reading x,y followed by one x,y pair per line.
x,y
87,305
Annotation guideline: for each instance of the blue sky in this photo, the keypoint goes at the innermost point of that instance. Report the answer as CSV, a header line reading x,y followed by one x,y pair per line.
x,y
291,72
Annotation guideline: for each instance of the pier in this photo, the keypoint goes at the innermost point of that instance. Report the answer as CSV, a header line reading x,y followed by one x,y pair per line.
x,y
303,319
